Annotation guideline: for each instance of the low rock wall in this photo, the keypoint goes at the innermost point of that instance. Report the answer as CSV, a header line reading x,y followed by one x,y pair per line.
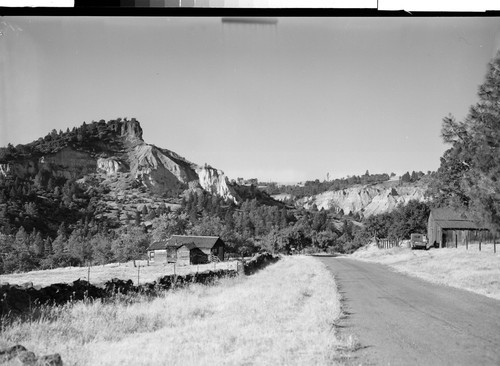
x,y
19,355
258,262
19,299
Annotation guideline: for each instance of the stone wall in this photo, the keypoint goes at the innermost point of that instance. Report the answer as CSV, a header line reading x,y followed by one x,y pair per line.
x,y
19,299
258,262
19,355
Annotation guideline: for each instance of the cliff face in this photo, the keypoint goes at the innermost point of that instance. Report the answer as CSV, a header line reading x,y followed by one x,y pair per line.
x,y
215,182
109,166
366,200
118,147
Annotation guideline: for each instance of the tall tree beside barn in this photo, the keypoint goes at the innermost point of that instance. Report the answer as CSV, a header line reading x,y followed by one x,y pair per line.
x,y
470,170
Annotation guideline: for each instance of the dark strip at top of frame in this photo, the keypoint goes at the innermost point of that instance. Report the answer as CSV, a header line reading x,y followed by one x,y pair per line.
x,y
115,8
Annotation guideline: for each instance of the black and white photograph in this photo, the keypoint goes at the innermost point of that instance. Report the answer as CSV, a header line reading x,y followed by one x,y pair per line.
x,y
249,190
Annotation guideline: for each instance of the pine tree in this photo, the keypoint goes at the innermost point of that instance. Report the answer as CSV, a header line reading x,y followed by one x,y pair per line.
x,y
58,245
48,247
22,240
4,220
38,179
38,246
470,169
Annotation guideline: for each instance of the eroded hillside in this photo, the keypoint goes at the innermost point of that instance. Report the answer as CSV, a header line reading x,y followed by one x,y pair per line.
x,y
367,200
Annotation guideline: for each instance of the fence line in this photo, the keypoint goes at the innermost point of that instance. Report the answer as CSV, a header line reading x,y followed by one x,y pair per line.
x,y
386,243
481,238
179,270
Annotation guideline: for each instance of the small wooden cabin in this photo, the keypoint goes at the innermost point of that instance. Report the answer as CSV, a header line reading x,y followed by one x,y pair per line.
x,y
157,252
449,227
184,250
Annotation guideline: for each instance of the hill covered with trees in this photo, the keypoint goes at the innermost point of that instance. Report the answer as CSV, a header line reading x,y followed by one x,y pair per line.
x,y
61,205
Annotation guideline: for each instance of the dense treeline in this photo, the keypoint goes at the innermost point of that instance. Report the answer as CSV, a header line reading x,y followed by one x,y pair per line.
x,y
246,229
46,222
52,223
252,226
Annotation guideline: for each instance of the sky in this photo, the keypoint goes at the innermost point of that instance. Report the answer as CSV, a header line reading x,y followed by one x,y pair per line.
x,y
288,102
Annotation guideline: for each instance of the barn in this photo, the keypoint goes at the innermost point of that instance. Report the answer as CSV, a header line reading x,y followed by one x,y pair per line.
x,y
187,249
450,227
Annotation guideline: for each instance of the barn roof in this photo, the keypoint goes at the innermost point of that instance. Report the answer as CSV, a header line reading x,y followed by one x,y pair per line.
x,y
459,224
198,241
451,218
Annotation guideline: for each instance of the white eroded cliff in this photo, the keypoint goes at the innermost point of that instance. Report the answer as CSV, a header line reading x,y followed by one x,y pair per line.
x,y
109,165
368,200
215,182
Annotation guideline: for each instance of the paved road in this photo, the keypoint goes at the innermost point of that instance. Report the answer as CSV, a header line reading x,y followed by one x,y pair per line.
x,y
400,320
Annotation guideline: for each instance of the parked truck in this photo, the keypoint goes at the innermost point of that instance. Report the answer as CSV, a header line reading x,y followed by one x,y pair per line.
x,y
418,241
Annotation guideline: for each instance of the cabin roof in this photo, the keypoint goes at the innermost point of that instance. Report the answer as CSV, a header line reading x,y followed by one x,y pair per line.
x,y
191,241
198,241
158,245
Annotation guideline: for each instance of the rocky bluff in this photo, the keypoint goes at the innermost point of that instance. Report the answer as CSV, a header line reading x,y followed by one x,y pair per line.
x,y
367,200
110,148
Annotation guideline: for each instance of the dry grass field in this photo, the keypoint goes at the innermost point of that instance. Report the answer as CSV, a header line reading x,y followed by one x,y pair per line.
x,y
282,315
466,269
100,274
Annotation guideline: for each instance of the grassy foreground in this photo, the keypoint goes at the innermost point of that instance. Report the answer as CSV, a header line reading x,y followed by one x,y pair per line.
x,y
470,270
283,315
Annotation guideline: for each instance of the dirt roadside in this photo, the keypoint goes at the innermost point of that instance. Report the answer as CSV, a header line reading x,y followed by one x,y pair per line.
x,y
401,320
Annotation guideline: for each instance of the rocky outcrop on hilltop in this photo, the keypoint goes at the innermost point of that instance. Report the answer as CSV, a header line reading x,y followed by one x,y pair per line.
x,y
111,148
365,200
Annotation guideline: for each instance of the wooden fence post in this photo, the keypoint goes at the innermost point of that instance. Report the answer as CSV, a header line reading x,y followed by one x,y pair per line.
x,y
480,237
88,274
456,240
